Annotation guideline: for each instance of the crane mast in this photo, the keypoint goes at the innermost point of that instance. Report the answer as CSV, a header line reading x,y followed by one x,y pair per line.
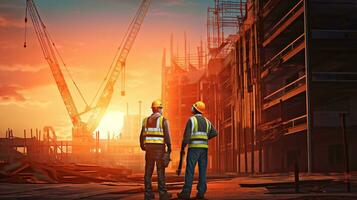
x,y
82,131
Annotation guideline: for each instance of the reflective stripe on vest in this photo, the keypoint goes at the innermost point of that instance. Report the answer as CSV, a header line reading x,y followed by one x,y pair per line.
x,y
154,140
198,144
199,139
154,135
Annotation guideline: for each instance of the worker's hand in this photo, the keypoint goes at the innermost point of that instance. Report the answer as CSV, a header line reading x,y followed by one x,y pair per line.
x,y
182,152
178,171
166,159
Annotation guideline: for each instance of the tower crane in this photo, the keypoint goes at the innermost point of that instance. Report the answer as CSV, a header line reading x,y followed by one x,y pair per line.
x,y
104,94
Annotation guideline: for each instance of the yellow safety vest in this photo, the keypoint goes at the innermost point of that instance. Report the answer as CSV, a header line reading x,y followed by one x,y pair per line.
x,y
154,135
199,139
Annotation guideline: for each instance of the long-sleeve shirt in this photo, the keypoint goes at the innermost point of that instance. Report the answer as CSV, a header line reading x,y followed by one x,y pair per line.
x,y
212,132
165,126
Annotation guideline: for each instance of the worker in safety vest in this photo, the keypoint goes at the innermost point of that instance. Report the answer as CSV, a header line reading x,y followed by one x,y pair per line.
x,y
153,138
197,133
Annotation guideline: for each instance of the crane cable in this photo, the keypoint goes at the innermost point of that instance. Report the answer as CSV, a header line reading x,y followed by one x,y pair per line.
x,y
25,36
114,58
56,50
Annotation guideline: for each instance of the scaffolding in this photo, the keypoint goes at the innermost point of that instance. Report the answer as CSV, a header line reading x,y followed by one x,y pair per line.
x,y
192,58
223,20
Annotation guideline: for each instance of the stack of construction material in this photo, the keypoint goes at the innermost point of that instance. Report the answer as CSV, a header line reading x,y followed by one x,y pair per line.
x,y
26,171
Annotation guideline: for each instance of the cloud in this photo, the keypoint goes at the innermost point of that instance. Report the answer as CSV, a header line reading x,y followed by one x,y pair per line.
x,y
21,100
14,81
10,93
174,2
167,13
5,22
25,79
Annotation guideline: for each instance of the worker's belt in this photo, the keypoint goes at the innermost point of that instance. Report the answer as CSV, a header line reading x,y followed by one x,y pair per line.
x,y
154,135
199,139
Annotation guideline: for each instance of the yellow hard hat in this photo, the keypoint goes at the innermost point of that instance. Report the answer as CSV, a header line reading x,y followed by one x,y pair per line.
x,y
156,104
199,106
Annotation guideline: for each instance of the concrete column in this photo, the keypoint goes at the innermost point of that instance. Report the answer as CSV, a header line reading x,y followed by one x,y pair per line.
x,y
308,90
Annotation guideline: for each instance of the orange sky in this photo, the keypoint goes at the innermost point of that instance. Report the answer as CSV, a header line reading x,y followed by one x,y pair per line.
x,y
87,33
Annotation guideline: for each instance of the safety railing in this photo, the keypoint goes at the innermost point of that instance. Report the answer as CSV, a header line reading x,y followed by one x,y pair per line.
x,y
277,125
267,5
295,122
284,52
292,11
287,88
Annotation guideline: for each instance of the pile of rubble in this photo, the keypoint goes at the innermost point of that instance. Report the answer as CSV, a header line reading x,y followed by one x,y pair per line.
x,y
26,171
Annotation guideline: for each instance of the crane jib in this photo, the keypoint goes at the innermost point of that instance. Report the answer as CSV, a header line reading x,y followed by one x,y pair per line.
x,y
120,64
50,53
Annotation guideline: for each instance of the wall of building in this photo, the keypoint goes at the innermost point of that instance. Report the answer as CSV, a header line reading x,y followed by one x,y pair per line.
x,y
333,46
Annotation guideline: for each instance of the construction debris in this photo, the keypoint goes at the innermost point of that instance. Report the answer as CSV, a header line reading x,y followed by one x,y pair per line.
x,y
26,171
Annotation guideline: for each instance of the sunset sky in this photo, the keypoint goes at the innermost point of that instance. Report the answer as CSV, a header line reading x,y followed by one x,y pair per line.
x,y
87,33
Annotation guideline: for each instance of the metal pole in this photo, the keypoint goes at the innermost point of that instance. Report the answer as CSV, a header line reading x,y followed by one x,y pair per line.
x,y
260,157
61,150
245,150
96,146
234,136
297,186
185,40
67,150
24,150
48,144
346,152
252,141
307,74
239,146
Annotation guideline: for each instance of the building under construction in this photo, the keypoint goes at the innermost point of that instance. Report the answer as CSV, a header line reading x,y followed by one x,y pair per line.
x,y
180,87
279,85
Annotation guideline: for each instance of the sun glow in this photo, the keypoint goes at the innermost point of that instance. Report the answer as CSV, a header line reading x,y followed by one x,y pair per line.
x,y
111,124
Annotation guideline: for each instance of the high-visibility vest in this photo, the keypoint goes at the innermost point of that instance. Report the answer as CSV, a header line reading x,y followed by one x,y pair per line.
x,y
199,138
154,135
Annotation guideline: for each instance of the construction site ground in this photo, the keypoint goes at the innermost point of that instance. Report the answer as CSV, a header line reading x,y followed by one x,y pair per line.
x,y
272,186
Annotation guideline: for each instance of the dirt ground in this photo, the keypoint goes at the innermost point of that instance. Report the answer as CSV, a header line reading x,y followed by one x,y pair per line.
x,y
219,187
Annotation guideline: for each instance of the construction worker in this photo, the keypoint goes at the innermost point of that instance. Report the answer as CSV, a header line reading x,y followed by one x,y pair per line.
x,y
197,133
153,138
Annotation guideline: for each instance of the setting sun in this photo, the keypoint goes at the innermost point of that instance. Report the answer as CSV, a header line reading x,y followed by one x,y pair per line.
x,y
112,124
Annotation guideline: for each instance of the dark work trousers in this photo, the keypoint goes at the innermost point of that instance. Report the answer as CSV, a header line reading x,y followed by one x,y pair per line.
x,y
152,157
195,155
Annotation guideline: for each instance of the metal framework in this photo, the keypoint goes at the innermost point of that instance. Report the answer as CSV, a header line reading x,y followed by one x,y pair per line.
x,y
222,20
